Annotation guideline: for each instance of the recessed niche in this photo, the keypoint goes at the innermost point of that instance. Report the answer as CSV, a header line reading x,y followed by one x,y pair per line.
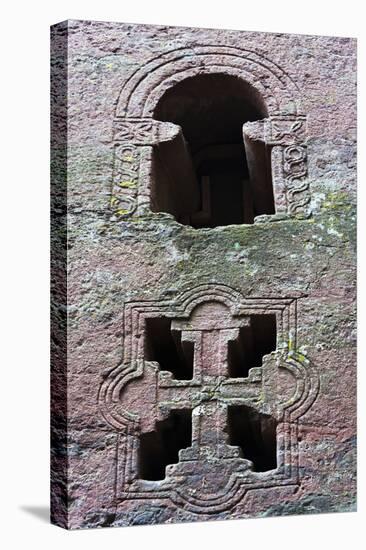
x,y
161,447
255,434
254,341
166,347
206,178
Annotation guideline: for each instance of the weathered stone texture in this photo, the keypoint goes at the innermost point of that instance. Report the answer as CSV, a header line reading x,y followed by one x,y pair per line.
x,y
127,264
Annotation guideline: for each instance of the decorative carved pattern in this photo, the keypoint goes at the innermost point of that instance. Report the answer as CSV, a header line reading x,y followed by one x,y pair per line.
x,y
286,131
145,131
125,180
148,83
135,131
209,316
131,138
288,135
297,186
283,131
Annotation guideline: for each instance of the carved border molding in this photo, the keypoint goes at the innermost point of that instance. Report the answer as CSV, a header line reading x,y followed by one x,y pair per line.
x,y
142,91
133,368
287,138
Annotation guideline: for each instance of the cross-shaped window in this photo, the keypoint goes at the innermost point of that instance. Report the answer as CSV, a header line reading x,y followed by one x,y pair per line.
x,y
204,354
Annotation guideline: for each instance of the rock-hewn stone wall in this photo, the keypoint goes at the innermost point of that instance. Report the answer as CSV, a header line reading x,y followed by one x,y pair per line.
x,y
125,265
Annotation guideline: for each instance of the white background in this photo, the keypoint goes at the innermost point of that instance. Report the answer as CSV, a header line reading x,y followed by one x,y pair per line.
x,y
24,397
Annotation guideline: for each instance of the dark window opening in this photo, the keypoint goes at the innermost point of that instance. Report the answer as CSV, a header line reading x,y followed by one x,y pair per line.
x,y
166,347
255,434
206,178
161,447
254,341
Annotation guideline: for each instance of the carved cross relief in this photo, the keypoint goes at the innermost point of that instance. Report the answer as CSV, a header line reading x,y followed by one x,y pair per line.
x,y
210,329
211,470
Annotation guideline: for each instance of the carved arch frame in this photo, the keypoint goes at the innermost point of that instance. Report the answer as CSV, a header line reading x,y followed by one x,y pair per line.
x,y
283,130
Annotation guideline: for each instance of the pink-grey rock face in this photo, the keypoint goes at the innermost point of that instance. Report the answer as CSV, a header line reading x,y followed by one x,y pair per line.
x,y
203,274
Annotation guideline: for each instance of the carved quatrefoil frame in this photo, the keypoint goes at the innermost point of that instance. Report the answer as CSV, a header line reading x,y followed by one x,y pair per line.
x,y
287,411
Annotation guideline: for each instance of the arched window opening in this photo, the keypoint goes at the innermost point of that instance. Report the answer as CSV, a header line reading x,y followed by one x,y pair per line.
x,y
205,177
